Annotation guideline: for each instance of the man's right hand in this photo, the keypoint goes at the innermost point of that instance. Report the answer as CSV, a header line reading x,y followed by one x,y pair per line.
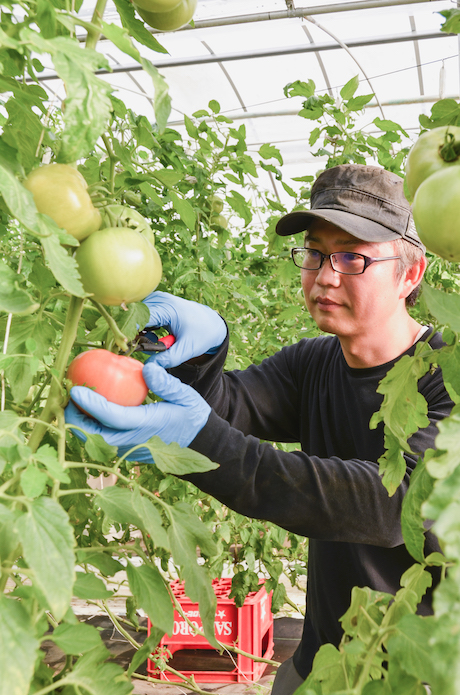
x,y
197,328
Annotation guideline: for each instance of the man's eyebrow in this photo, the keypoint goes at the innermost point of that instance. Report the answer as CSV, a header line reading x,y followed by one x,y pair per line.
x,y
344,242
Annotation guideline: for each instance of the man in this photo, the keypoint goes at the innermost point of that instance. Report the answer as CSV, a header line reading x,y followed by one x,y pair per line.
x,y
361,262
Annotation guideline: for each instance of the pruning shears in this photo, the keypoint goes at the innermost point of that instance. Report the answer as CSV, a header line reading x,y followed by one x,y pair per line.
x,y
148,341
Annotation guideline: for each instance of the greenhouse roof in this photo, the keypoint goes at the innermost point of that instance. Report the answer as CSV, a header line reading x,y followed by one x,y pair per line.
x,y
242,53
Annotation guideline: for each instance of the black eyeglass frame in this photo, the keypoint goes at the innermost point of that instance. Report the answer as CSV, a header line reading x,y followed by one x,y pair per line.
x,y
367,259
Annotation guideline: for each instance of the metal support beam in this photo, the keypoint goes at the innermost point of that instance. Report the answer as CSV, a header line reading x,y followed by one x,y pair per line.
x,y
299,12
268,53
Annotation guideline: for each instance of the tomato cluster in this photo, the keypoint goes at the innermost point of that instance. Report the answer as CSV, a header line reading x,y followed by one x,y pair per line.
x,y
166,15
433,182
118,264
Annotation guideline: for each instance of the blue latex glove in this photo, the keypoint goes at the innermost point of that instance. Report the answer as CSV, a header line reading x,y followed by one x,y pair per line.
x,y
178,418
197,328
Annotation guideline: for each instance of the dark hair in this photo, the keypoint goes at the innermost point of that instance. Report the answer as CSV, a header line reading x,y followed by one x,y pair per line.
x,y
409,256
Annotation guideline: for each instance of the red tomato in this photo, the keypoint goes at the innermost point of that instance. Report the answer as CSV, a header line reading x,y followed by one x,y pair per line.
x,y
116,377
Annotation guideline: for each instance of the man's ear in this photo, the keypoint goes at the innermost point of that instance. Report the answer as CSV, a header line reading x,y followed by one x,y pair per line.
x,y
413,276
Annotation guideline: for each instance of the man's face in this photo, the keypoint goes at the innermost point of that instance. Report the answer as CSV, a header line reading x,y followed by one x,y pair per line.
x,y
351,305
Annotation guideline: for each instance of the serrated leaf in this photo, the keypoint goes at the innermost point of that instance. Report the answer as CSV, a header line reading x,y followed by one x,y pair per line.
x,y
89,587
48,541
103,561
147,585
185,532
33,481
48,457
18,648
447,459
183,209
94,677
13,299
444,307
136,27
412,522
63,266
151,518
76,639
172,458
98,449
270,151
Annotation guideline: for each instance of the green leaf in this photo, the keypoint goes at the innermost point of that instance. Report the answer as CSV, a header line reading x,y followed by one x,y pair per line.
x,y
269,152
147,648
172,458
151,519
89,587
18,648
47,541
98,449
76,639
444,307
168,177
94,677
13,299
9,538
184,209
162,100
387,126
103,561
299,88
358,103
136,28
452,23
147,585
238,203
48,456
63,266
349,88
33,481
412,522
447,458
412,648
185,532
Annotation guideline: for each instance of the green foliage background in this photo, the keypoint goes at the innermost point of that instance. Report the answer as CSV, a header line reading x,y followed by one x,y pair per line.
x,y
59,537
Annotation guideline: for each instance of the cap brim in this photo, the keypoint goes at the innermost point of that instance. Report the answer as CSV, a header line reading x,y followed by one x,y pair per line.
x,y
360,227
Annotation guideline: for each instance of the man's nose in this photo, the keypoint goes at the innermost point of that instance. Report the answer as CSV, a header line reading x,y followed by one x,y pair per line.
x,y
326,275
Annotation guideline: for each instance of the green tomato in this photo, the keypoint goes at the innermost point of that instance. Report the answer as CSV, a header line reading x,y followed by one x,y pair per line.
x,y
118,215
61,192
436,211
118,265
158,5
219,221
172,20
217,204
424,158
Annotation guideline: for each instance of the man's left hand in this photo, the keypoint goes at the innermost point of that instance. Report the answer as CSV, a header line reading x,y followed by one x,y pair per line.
x,y
177,418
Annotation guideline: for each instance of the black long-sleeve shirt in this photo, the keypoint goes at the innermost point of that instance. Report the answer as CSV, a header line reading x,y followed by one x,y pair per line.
x,y
330,491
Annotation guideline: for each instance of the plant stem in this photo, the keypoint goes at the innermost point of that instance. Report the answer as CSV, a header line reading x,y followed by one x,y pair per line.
x,y
54,401
94,34
120,339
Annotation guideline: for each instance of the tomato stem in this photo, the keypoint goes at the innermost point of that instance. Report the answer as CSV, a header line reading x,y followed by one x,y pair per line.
x,y
94,34
54,400
120,339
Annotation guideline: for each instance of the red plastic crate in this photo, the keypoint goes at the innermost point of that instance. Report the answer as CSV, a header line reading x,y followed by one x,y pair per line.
x,y
250,628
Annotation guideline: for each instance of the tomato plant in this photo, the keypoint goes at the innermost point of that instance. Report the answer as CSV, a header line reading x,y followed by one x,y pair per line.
x,y
116,377
118,265
433,150
436,210
171,19
60,191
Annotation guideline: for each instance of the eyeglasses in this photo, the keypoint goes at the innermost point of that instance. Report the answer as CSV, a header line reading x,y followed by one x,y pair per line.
x,y
342,262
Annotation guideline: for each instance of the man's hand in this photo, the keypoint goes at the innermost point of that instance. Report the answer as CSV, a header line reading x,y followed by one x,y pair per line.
x,y
197,328
178,418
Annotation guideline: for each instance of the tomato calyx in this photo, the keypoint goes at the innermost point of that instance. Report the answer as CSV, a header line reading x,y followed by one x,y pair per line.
x,y
450,151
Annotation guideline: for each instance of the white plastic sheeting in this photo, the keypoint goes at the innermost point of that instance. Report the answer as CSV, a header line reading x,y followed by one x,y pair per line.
x,y
252,61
